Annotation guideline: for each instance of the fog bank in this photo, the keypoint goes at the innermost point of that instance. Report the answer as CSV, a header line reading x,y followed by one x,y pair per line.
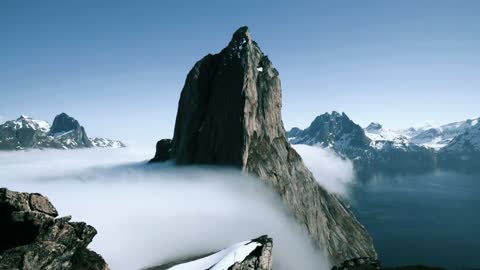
x,y
331,171
147,215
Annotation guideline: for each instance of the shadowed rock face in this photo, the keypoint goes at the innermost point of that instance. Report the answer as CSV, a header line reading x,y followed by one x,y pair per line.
x,y
33,238
230,114
163,151
64,123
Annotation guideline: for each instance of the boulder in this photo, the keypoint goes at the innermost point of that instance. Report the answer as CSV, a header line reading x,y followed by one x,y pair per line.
x,y
33,238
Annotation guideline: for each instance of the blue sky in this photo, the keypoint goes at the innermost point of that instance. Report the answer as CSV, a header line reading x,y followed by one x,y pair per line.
x,y
119,66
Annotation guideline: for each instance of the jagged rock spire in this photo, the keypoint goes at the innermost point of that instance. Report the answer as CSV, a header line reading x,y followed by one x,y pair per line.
x,y
229,113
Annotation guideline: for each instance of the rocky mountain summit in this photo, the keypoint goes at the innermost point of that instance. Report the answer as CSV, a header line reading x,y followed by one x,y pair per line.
x,y
65,133
255,254
68,129
32,237
230,114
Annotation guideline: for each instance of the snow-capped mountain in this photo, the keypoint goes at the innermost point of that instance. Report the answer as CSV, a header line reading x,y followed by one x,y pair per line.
x,y
104,142
333,130
463,152
65,133
434,137
441,136
378,148
371,149
381,137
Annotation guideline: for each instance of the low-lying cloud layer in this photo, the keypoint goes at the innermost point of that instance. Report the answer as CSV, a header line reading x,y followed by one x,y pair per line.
x,y
147,215
331,171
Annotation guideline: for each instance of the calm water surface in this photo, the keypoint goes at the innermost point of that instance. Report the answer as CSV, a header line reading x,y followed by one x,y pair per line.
x,y
431,219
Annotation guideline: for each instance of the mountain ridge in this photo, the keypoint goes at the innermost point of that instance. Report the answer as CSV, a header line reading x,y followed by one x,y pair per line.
x,y
65,133
409,150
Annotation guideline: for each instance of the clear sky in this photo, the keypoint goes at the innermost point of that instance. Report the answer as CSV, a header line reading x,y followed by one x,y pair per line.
x,y
119,66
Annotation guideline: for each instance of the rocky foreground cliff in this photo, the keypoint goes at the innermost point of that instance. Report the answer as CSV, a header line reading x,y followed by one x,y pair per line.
x,y
32,237
229,113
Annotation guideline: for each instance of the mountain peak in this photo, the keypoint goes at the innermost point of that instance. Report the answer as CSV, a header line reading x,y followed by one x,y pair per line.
x,y
24,117
240,39
374,126
335,113
241,32
229,113
63,122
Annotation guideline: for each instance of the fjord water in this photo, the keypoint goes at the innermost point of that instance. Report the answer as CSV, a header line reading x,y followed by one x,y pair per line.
x,y
431,219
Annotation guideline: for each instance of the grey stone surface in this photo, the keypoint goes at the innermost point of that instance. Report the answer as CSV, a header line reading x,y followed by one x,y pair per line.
x,y
32,238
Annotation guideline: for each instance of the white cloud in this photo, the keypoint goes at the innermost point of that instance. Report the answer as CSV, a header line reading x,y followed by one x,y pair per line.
x,y
146,216
331,171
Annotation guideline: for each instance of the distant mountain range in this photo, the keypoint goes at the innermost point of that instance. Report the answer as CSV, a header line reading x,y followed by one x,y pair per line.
x,y
65,133
376,149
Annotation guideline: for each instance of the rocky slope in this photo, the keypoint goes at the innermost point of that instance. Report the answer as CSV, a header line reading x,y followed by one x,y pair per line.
x,y
65,133
32,237
230,114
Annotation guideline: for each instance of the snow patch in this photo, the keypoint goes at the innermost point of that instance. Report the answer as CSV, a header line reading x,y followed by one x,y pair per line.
x,y
221,260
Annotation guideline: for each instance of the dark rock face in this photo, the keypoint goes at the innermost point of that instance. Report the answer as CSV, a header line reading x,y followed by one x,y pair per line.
x,y
63,123
294,132
230,114
163,151
67,127
33,238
